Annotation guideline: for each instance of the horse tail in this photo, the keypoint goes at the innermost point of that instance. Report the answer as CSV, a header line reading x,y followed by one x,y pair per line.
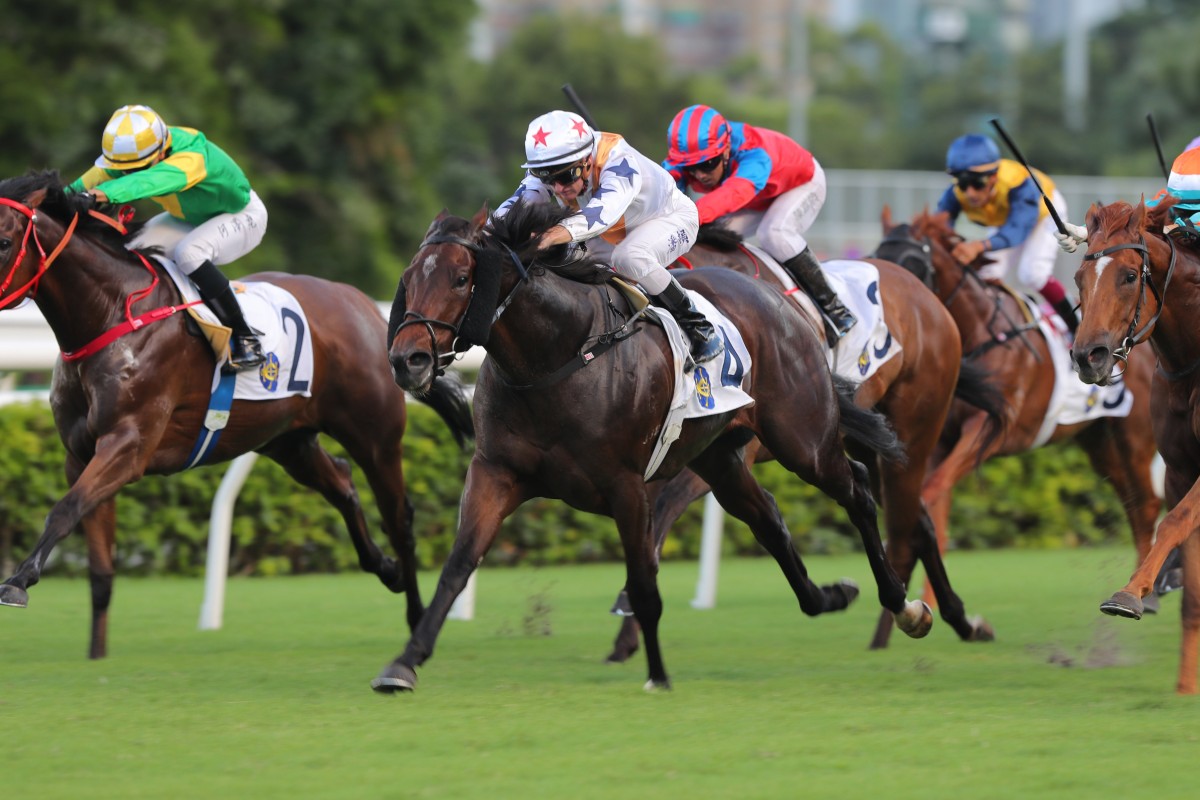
x,y
866,427
451,400
976,388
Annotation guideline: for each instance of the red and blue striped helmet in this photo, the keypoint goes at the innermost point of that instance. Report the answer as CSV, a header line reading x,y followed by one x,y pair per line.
x,y
697,134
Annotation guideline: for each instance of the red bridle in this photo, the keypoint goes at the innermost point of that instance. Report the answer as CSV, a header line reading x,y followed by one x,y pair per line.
x,y
44,261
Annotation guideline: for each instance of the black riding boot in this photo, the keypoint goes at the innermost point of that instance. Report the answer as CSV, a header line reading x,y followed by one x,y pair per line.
x,y
1065,310
806,270
706,344
245,351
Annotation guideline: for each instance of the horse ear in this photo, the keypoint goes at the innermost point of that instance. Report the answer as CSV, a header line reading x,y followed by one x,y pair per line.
x,y
35,198
886,218
1091,216
480,218
436,221
1137,220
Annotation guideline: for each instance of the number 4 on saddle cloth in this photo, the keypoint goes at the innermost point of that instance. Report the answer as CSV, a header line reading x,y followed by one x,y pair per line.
x,y
287,370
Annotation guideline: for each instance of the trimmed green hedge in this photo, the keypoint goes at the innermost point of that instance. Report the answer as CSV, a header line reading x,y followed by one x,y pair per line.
x,y
1049,498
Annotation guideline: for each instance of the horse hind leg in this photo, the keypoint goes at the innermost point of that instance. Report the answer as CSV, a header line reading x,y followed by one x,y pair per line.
x,y
303,458
742,496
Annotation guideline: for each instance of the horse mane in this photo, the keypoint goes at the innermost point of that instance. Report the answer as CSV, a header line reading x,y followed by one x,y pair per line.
x,y
719,237
62,206
518,230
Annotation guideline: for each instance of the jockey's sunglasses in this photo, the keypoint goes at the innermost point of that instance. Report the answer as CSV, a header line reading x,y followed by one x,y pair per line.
x,y
559,177
972,180
705,166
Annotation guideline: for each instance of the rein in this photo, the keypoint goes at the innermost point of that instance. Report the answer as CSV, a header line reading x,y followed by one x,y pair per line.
x,y
1134,336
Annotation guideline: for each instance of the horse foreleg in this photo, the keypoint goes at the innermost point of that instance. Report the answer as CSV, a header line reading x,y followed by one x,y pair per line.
x,y
491,493
631,511
119,458
1190,616
1175,528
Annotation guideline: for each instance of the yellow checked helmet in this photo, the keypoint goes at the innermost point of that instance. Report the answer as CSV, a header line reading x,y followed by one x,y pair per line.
x,y
132,138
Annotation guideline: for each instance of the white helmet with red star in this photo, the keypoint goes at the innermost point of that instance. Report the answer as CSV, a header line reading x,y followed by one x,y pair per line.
x,y
558,137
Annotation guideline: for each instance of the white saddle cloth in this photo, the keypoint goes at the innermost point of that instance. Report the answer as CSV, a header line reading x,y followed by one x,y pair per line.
x,y
286,343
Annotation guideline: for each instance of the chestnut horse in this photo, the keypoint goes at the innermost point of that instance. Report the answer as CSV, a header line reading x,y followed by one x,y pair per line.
x,y
136,405
1138,284
913,390
997,337
574,394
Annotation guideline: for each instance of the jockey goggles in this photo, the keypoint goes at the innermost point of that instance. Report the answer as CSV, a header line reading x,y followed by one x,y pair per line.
x,y
705,166
969,179
559,176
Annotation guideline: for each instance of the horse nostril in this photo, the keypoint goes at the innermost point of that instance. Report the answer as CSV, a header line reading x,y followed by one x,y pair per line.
x,y
1097,356
418,361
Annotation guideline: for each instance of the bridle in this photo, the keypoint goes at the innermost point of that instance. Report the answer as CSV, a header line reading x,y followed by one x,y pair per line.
x,y
476,322
1135,336
44,261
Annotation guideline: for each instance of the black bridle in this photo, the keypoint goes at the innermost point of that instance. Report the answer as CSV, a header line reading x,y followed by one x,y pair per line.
x,y
1134,335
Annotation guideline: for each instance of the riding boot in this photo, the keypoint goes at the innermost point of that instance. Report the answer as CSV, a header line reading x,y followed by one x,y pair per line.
x,y
1065,310
806,270
245,350
706,344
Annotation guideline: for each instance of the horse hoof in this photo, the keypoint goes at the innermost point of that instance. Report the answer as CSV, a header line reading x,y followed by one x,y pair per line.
x,y
916,619
981,631
621,606
1150,603
657,686
395,678
619,655
844,590
14,596
1123,604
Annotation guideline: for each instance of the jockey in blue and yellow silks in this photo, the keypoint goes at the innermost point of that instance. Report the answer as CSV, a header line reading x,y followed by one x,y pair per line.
x,y
211,216
1000,195
620,197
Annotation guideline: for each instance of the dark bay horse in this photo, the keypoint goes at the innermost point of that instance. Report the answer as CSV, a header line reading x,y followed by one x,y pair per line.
x,y
997,337
913,390
1138,284
550,427
137,405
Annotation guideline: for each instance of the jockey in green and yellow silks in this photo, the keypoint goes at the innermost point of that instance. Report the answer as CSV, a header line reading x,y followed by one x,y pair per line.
x,y
211,216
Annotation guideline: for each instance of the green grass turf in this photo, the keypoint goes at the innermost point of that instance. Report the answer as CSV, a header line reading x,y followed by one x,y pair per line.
x,y
767,703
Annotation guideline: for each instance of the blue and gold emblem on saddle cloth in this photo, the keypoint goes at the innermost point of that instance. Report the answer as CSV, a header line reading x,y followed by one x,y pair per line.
x,y
704,394
864,360
268,372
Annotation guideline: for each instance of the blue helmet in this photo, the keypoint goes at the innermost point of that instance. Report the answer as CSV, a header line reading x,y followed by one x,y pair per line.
x,y
973,152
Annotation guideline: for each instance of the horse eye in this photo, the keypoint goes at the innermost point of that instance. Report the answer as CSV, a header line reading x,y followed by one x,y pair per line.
x,y
1130,277
5,243
460,281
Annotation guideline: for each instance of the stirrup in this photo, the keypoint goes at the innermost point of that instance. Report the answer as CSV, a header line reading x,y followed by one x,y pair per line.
x,y
245,352
839,323
707,349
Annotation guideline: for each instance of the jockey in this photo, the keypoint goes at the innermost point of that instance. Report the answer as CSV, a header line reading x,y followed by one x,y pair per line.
x,y
622,197
212,215
1000,194
760,181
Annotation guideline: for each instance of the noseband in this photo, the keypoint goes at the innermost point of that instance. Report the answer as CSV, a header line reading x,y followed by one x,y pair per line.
x,y
914,255
1134,336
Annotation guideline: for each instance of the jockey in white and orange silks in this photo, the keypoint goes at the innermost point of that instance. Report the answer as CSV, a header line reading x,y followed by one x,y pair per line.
x,y
622,198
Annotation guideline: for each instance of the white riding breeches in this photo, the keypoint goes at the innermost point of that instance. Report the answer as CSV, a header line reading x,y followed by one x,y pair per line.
x,y
645,252
781,227
221,240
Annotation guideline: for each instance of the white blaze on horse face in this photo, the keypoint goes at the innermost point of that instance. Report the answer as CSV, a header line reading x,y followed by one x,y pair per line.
x,y
1101,263
429,265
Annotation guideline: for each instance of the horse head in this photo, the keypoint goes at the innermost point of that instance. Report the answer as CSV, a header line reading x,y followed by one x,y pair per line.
x,y
1122,283
900,246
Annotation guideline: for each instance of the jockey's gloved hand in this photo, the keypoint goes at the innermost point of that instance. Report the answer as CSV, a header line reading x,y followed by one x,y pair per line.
x,y
89,200
1070,241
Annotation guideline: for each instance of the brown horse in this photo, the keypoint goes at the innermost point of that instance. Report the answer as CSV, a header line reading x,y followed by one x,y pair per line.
x,y
998,338
136,405
913,390
1137,284
574,394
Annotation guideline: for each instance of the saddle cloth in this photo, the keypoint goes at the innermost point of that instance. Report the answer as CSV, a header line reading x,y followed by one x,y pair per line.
x,y
713,387
286,343
1073,400
869,344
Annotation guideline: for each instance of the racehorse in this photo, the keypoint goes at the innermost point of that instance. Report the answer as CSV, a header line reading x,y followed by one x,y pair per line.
x,y
574,395
136,404
999,339
1137,283
913,390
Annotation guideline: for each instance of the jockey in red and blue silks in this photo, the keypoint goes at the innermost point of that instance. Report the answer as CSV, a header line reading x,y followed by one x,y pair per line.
x,y
1000,195
758,181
